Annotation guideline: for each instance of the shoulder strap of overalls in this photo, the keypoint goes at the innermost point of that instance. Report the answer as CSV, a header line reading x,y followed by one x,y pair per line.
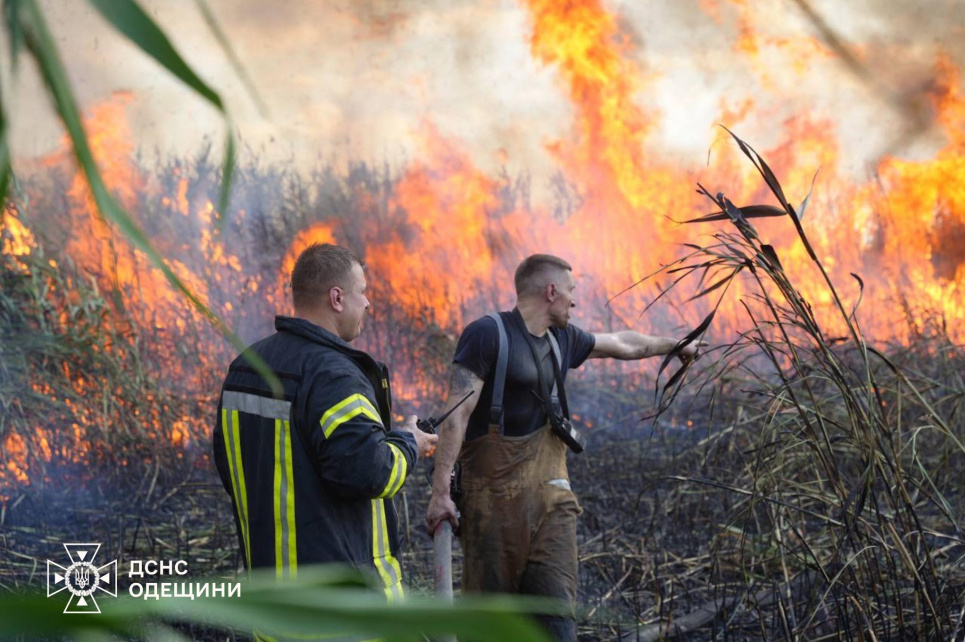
x,y
554,395
499,376
558,396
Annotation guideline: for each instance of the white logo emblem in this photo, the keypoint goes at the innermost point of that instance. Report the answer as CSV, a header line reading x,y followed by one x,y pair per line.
x,y
82,578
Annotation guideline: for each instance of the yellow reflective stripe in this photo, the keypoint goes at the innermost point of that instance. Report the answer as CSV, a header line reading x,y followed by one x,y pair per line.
x,y
232,442
286,559
400,467
334,409
387,566
349,415
376,540
243,490
277,500
394,590
290,506
351,406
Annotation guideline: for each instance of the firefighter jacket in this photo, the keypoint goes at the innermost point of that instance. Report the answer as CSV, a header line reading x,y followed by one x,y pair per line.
x,y
312,476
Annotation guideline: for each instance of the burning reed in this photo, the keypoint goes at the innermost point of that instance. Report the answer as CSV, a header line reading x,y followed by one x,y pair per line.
x,y
842,467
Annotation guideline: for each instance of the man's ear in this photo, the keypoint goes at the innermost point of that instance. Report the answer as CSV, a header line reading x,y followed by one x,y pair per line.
x,y
551,292
335,298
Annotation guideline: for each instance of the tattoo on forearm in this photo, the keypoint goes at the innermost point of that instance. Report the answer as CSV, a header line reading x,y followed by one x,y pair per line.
x,y
461,380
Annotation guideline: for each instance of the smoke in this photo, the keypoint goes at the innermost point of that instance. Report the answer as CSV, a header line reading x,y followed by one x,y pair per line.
x,y
349,80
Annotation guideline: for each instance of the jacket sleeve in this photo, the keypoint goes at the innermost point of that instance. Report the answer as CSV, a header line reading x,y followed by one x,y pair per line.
x,y
353,452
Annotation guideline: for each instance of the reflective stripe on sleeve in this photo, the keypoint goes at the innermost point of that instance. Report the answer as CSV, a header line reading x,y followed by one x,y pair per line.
x,y
344,410
400,467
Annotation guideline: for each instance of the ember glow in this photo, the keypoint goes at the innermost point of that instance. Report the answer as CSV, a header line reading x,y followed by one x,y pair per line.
x,y
441,240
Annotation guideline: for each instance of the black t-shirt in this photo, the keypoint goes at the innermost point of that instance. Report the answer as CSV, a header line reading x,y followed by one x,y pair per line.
x,y
523,411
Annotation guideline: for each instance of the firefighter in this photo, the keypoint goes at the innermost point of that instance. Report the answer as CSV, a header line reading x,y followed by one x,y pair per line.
x,y
312,473
516,509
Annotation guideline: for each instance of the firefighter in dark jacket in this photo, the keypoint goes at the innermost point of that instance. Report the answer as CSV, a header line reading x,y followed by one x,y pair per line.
x,y
312,475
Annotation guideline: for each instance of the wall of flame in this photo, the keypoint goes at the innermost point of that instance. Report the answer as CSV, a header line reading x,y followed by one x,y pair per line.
x,y
441,235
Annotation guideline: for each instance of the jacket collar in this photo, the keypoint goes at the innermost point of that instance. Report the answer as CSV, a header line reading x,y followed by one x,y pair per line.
x,y
308,330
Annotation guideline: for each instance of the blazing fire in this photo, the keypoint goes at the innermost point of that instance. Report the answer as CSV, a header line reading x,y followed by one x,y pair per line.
x,y
442,242
97,415
17,238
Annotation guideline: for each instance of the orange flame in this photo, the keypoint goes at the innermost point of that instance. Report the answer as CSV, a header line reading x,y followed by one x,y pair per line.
x,y
17,239
317,233
446,204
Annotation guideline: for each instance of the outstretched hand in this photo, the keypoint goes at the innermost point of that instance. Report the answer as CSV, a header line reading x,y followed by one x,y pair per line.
x,y
691,352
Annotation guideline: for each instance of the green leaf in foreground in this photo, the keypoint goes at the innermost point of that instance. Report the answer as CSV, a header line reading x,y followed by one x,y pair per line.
x,y
4,154
128,18
229,51
132,21
322,600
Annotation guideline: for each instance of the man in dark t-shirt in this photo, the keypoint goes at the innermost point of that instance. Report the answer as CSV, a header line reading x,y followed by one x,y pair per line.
x,y
517,511
524,411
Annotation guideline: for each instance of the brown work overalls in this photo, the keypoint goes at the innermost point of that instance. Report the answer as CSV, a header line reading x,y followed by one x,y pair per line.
x,y
518,518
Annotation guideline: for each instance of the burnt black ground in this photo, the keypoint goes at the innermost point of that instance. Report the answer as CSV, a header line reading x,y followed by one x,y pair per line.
x,y
621,531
